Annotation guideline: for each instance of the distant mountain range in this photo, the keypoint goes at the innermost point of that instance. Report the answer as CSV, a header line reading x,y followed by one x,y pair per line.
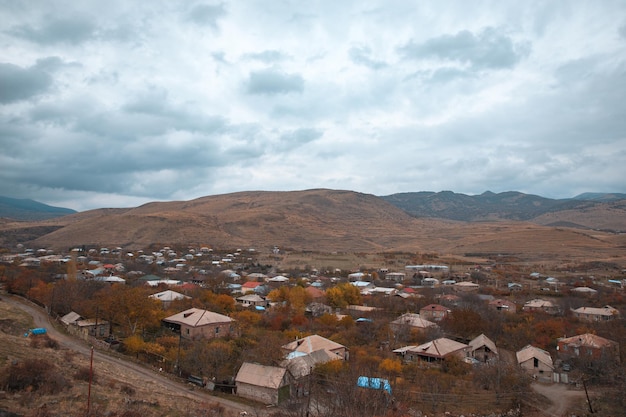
x,y
346,221
29,210
488,206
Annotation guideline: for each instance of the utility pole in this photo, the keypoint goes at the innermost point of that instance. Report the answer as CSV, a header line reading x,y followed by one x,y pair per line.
x,y
587,394
90,379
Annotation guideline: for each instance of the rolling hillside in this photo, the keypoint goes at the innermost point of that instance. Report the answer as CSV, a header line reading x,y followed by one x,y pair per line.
x,y
313,220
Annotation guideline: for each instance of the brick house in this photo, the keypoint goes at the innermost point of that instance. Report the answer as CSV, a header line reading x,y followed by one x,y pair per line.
x,y
587,347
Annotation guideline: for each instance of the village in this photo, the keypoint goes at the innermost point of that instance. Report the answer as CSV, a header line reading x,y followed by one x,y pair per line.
x,y
414,331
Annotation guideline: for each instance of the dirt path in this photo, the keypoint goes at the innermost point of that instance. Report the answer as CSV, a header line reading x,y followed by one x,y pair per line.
x,y
107,363
563,398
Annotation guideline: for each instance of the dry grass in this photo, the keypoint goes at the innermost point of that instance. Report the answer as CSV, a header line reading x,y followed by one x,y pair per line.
x,y
115,391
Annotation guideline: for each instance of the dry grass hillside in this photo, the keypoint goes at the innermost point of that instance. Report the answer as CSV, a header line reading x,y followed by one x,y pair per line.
x,y
313,220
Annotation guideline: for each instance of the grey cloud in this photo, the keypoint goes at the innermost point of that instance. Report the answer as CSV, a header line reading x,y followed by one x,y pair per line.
x,y
69,30
487,49
268,57
206,14
17,83
622,31
362,56
296,138
270,82
444,75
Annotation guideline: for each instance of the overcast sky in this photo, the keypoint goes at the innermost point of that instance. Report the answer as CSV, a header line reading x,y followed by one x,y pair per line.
x,y
117,103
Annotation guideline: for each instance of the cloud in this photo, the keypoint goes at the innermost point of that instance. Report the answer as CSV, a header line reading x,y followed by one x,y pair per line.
x,y
268,56
17,83
271,82
69,30
488,49
206,14
362,56
294,139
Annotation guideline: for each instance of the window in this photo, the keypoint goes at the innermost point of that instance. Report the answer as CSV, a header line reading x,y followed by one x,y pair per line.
x,y
536,362
217,330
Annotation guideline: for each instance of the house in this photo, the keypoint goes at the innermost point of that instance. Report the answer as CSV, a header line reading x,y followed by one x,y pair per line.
x,y
253,300
249,287
166,297
434,312
588,347
539,305
412,321
537,362
266,384
593,314
434,351
313,343
584,291
395,276
503,305
85,328
318,309
466,287
483,349
301,366
196,324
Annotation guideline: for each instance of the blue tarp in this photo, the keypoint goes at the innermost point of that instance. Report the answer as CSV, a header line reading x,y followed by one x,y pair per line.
x,y
374,383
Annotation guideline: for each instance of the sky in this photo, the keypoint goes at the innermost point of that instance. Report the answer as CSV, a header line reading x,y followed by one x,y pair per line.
x,y
119,103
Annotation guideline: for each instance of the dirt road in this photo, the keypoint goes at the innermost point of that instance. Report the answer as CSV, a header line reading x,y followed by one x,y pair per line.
x,y
563,398
106,362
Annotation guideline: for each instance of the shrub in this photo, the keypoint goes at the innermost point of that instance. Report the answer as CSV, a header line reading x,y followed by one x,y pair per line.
x,y
43,341
83,374
33,374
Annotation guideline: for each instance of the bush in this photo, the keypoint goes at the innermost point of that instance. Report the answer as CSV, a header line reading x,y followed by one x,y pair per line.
x,y
33,374
43,341
84,373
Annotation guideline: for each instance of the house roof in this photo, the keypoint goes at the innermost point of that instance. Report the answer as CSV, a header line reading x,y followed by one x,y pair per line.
x,y
466,284
251,284
168,295
598,311
70,318
481,341
530,352
251,298
196,317
300,366
586,340
539,303
434,307
584,290
312,343
438,348
502,303
260,375
315,292
413,320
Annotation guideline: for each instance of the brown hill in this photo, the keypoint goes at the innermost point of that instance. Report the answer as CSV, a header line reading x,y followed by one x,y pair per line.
x,y
312,220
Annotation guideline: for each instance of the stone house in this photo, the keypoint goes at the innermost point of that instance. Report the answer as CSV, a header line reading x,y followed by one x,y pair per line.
x,y
196,324
265,384
537,362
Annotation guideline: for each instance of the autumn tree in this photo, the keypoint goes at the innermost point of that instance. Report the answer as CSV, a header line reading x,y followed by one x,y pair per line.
x,y
343,295
464,322
131,308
